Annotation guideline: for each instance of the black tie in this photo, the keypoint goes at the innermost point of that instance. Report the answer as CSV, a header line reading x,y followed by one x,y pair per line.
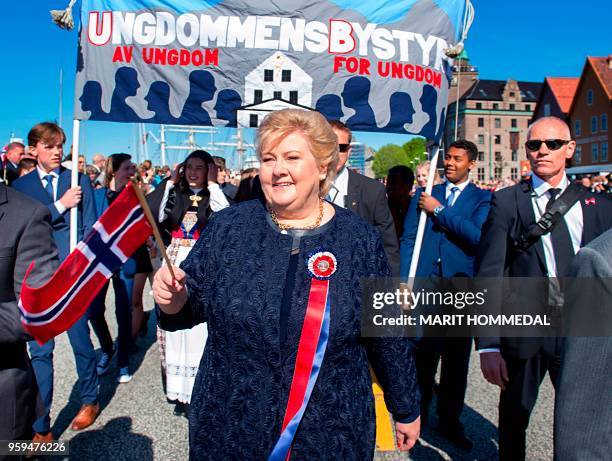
x,y
561,240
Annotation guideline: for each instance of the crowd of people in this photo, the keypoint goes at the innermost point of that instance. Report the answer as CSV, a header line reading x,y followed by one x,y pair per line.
x,y
259,311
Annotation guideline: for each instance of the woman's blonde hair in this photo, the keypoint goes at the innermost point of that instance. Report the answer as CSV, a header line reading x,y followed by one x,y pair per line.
x,y
312,125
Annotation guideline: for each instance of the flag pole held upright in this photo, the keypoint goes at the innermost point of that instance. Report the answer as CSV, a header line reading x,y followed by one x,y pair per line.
x,y
422,219
74,181
153,223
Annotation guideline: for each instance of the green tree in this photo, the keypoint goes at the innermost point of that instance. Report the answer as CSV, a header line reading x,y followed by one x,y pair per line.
x,y
415,150
388,156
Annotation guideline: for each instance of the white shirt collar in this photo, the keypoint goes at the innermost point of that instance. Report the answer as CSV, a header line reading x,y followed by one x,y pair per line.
x,y
461,186
341,181
540,187
42,173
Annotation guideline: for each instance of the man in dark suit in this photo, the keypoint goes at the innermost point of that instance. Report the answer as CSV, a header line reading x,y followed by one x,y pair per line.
x,y
518,365
458,209
49,184
15,151
362,195
26,230
583,420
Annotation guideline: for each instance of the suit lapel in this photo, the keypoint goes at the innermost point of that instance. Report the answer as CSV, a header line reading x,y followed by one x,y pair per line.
x,y
63,182
35,188
527,216
353,193
589,218
463,197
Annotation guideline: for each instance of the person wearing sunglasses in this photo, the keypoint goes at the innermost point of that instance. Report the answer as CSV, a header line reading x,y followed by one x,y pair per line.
x,y
364,196
518,365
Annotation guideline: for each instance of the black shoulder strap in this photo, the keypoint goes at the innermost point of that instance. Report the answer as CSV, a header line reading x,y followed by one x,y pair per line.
x,y
547,222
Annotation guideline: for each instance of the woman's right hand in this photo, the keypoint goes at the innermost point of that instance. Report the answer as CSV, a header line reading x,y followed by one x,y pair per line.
x,y
169,293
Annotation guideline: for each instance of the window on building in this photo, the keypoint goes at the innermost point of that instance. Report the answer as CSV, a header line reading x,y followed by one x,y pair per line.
x,y
512,106
478,105
481,139
604,122
514,173
590,97
514,156
512,94
253,120
498,139
578,155
293,97
481,174
498,173
495,106
286,75
604,151
594,120
595,152
514,140
498,156
577,128
480,156
513,123
268,75
278,94
546,110
480,121
498,123
257,97
527,107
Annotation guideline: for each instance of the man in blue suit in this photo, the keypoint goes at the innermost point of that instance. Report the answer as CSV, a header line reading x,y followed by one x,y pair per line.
x,y
457,210
49,183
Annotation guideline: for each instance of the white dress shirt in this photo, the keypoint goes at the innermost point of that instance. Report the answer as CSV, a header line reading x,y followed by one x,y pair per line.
x,y
449,188
218,200
339,189
573,219
61,209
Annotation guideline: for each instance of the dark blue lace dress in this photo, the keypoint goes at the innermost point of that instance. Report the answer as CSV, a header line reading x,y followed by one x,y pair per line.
x,y
236,279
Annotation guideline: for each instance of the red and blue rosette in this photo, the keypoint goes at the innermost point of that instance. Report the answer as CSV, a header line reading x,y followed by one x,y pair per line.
x,y
321,265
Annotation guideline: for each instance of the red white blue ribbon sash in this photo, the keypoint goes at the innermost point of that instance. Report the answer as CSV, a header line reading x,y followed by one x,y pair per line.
x,y
311,350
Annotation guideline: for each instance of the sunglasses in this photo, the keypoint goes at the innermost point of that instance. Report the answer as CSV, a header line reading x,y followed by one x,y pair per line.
x,y
344,147
552,144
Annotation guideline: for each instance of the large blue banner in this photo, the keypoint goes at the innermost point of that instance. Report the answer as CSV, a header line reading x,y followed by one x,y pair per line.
x,y
375,65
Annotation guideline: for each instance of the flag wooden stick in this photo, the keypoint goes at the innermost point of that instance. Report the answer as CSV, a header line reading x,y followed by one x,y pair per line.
x,y
151,219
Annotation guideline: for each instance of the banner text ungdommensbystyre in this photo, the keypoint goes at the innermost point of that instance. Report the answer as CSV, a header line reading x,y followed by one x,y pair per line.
x,y
225,63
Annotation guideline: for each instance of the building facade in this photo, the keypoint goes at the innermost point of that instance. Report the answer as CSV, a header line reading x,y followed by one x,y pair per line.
x,y
494,114
556,97
590,113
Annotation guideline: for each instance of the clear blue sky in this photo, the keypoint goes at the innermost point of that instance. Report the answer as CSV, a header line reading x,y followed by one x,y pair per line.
x,y
525,40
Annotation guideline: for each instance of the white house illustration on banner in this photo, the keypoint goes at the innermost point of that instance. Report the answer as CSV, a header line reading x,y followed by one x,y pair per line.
x,y
277,83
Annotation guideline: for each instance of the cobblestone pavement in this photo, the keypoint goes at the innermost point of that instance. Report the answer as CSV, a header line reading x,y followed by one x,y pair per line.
x,y
136,423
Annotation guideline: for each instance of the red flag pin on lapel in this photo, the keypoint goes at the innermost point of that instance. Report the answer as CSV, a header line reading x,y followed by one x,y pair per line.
x,y
589,201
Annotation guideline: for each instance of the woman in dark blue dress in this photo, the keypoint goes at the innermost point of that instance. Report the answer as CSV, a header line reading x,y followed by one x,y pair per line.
x,y
285,370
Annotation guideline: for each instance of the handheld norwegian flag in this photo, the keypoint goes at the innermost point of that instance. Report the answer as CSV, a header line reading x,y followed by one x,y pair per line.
x,y
54,307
